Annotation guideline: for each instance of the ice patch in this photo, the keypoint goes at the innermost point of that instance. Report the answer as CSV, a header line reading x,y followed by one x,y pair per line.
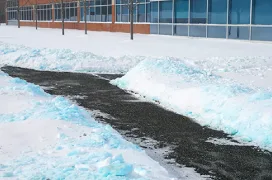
x,y
226,142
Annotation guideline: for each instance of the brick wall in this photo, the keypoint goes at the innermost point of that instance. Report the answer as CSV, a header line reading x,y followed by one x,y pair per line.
x,y
108,26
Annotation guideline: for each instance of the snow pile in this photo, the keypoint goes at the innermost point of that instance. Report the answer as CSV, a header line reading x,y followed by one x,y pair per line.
x,y
46,137
64,60
211,100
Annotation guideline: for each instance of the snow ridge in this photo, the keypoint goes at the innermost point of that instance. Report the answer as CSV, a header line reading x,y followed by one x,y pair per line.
x,y
64,60
220,103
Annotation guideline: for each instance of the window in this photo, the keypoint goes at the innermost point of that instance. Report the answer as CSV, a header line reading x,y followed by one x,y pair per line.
x,y
262,12
198,11
181,11
148,14
12,13
57,12
154,12
262,33
198,31
239,11
141,11
44,12
218,11
70,11
97,10
26,13
216,32
238,32
165,11
118,13
12,3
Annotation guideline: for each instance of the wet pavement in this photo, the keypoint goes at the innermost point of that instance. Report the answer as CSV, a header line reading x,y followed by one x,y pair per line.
x,y
137,119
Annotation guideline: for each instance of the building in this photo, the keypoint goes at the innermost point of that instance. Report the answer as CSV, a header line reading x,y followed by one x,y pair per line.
x,y
2,11
230,19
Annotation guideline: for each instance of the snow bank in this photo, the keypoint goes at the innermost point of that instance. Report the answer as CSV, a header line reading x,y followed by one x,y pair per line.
x,y
64,60
46,137
209,99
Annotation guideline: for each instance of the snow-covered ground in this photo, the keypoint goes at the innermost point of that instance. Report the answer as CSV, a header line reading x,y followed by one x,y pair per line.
x,y
223,84
48,137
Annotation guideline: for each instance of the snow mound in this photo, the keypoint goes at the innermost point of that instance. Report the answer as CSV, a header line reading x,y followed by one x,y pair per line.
x,y
209,99
52,138
64,60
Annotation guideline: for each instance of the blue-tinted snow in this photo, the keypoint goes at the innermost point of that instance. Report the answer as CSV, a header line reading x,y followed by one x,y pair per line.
x,y
64,60
97,155
209,99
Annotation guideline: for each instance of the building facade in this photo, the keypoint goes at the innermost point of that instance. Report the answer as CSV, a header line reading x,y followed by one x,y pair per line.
x,y
2,11
227,19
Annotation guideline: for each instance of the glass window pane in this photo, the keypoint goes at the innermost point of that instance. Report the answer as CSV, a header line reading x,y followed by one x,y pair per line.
x,y
165,29
92,14
262,12
97,2
118,13
134,14
72,14
67,15
109,14
41,15
217,31
181,11
98,13
125,15
180,30
104,13
237,32
262,33
48,14
198,11
154,12
57,14
239,11
141,13
198,31
154,28
148,12
165,11
217,11
104,2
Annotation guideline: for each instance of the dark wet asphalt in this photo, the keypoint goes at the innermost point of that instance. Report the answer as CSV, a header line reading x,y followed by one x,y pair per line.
x,y
138,119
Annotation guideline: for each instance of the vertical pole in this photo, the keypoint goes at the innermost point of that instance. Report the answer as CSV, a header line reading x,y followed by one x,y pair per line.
x,y
158,17
189,17
36,15
6,13
250,26
62,16
85,16
207,18
18,14
227,27
131,19
173,11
